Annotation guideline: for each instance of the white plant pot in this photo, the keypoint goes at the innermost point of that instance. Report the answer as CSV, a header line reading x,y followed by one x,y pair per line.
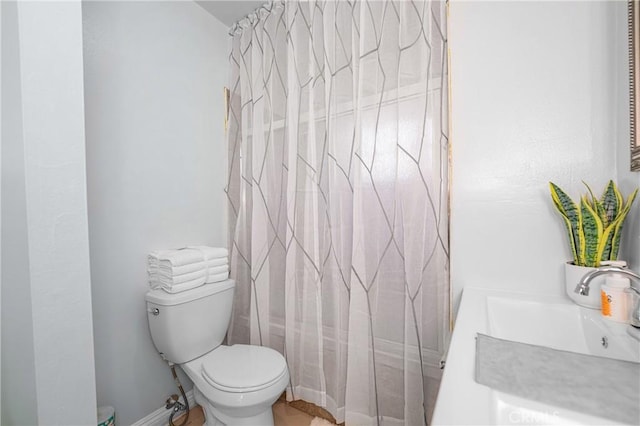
x,y
573,274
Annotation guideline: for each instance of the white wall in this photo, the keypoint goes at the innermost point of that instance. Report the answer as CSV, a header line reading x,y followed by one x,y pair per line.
x,y
533,88
18,363
156,167
46,281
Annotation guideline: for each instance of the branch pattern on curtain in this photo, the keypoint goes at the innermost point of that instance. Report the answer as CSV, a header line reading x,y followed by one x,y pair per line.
x,y
338,207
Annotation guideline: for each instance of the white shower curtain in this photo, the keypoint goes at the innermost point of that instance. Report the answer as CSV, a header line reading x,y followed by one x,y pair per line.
x,y
337,189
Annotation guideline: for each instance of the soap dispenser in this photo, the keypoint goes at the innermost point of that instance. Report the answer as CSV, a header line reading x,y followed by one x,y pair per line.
x,y
615,298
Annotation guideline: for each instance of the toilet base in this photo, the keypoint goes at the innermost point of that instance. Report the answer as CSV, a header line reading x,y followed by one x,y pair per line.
x,y
214,417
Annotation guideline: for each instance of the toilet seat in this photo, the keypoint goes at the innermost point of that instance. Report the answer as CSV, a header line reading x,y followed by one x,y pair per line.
x,y
239,384
243,368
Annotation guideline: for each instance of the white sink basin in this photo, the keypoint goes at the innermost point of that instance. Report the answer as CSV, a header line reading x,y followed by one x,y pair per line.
x,y
553,322
561,326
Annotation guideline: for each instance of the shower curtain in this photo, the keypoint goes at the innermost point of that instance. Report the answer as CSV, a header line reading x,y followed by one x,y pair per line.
x,y
338,206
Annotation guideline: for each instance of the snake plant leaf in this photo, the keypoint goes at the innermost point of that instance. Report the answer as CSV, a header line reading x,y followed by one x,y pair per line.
x,y
571,215
574,249
618,196
592,227
606,243
617,233
611,201
598,206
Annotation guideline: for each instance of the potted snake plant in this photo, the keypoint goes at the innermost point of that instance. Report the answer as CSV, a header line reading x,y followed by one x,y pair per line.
x,y
594,229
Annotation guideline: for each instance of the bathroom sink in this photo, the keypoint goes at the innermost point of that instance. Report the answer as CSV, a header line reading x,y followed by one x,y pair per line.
x,y
549,321
563,326
560,325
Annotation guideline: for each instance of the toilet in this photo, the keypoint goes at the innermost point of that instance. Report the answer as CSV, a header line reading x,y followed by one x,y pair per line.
x,y
235,385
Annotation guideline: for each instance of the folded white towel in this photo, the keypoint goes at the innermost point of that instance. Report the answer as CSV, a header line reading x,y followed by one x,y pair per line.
x,y
183,269
167,269
188,285
218,277
169,279
177,288
186,256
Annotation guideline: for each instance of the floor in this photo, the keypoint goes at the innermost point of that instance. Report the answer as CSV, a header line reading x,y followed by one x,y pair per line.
x,y
283,415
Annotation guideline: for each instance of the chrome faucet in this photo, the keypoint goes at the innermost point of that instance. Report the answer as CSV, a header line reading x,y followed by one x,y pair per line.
x,y
583,287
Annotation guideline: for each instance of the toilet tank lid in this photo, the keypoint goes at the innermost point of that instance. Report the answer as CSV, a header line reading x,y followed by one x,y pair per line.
x,y
162,298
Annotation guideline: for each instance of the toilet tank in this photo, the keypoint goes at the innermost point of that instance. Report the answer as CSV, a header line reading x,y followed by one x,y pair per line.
x,y
191,323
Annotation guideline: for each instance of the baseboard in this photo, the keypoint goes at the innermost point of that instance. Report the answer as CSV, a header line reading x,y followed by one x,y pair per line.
x,y
160,417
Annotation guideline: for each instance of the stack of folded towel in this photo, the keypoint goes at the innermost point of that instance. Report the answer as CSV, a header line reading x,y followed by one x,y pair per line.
x,y
190,267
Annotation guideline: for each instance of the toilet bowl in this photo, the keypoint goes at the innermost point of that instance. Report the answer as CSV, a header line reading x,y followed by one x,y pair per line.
x,y
235,385
238,384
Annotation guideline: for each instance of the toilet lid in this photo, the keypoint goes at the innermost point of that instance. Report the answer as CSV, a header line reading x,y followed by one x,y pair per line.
x,y
243,368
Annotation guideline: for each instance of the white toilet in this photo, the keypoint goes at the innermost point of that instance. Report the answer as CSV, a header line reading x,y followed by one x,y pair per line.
x,y
235,385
